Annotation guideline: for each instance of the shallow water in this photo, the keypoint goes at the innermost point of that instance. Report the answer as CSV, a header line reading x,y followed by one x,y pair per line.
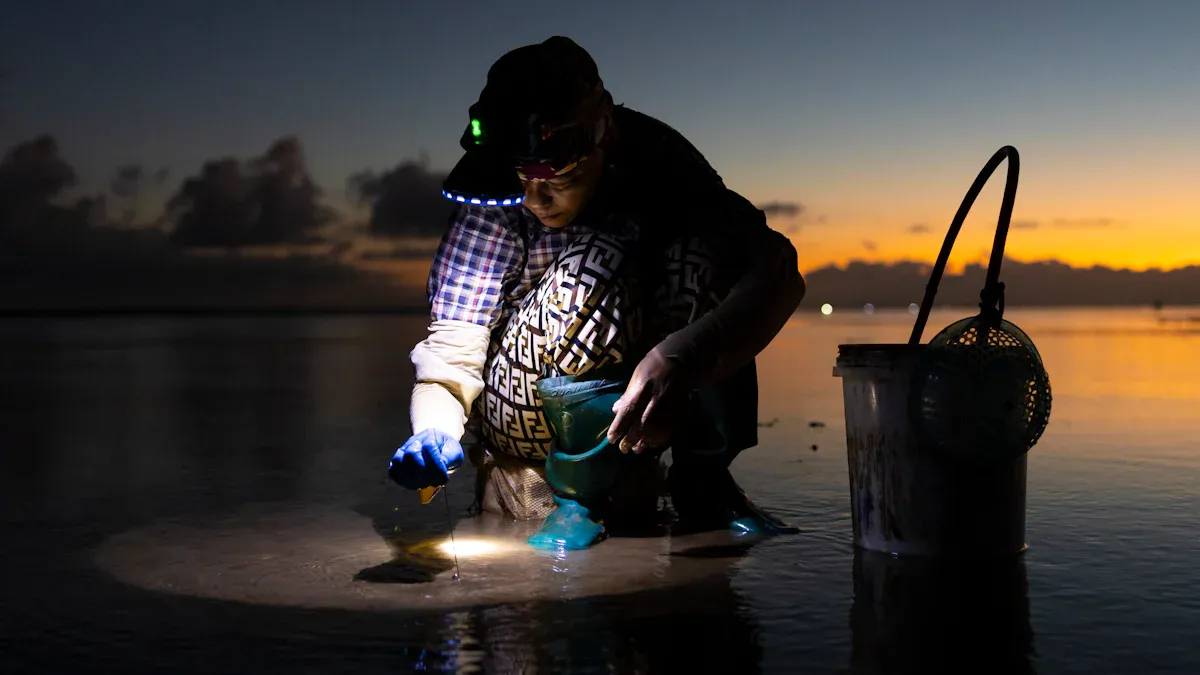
x,y
209,495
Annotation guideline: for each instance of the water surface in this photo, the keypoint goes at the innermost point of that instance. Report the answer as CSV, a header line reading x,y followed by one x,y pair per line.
x,y
208,495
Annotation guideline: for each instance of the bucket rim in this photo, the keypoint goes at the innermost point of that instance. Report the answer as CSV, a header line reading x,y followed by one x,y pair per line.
x,y
882,348
858,357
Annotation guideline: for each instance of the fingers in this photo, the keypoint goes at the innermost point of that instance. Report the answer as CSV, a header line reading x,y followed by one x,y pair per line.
x,y
651,426
661,417
411,447
628,411
631,441
453,454
408,465
436,473
646,421
407,469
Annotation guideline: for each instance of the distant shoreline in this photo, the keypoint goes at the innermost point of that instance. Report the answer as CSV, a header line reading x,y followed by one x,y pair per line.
x,y
99,312
285,311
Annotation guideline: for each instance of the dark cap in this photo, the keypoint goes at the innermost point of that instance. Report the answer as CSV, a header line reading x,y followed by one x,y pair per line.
x,y
536,106
550,80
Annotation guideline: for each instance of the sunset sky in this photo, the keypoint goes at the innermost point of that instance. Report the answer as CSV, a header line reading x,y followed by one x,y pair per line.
x,y
875,116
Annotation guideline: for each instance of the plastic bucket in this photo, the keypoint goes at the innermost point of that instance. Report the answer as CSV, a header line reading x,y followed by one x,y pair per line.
x,y
905,500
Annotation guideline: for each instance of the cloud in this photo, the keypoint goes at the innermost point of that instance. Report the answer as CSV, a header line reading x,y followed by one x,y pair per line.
x,y
1024,224
795,212
405,200
918,228
37,216
1085,223
779,209
33,173
270,199
126,180
869,245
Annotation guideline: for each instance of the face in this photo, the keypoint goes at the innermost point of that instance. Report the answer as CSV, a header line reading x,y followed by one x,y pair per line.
x,y
557,201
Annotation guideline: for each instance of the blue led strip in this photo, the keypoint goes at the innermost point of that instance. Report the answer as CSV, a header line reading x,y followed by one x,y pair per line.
x,y
511,201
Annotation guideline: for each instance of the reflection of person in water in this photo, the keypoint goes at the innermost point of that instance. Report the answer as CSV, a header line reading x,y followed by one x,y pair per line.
x,y
701,628
627,251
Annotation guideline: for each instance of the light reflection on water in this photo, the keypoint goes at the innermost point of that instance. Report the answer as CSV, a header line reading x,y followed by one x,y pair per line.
x,y
112,428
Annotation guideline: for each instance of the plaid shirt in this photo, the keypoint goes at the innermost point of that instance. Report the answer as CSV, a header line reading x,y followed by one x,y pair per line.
x,y
489,260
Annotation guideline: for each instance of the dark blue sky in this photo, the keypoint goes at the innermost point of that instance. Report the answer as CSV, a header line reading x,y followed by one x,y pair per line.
x,y
790,100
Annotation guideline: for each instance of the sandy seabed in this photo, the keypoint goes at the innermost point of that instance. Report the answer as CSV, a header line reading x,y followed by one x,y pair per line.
x,y
335,557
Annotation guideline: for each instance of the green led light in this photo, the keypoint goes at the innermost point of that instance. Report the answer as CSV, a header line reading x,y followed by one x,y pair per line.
x,y
475,129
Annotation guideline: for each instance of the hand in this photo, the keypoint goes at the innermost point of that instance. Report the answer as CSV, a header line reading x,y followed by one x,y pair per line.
x,y
653,405
425,460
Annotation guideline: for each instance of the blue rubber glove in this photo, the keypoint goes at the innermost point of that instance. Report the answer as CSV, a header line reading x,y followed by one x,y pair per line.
x,y
426,460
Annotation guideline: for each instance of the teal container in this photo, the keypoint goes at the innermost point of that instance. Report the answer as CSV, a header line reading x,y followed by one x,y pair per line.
x,y
582,464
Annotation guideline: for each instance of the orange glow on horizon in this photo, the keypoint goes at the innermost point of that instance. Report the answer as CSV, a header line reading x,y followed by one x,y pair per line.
x,y
1136,253
1119,241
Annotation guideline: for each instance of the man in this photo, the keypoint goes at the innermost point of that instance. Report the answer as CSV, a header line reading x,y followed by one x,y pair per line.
x,y
628,249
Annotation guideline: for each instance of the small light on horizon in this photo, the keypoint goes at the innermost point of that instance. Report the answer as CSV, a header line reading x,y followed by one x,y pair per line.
x,y
827,309
868,308
913,308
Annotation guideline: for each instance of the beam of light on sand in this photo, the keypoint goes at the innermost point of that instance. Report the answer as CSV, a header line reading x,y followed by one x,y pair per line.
x,y
320,556
473,548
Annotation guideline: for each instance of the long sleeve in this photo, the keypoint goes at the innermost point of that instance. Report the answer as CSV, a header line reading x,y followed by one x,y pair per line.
x,y
756,309
761,300
449,375
689,197
475,261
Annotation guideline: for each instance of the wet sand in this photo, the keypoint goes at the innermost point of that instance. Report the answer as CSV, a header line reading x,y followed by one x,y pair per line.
x,y
358,559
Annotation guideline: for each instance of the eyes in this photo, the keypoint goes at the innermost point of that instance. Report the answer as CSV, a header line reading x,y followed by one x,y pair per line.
x,y
555,185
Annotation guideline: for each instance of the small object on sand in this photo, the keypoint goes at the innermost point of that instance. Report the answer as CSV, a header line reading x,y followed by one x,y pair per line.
x,y
426,494
815,424
814,447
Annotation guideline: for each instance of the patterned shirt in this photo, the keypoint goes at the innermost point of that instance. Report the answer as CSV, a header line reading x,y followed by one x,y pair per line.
x,y
656,183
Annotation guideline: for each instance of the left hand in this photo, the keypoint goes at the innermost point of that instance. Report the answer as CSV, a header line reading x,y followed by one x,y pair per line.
x,y
426,460
653,405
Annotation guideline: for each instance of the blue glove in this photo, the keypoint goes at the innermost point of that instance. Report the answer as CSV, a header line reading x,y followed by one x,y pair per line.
x,y
426,460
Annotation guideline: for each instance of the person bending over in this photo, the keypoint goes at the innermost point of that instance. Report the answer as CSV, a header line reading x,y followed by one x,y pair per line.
x,y
621,267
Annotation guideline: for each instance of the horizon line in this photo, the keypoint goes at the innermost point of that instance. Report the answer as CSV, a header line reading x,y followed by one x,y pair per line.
x,y
414,310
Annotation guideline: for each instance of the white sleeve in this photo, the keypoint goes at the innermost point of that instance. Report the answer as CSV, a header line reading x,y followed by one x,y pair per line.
x,y
449,375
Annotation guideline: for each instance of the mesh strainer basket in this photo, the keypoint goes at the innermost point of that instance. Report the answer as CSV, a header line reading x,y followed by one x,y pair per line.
x,y
979,391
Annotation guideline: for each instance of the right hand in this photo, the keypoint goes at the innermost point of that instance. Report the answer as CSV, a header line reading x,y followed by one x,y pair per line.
x,y
653,406
426,460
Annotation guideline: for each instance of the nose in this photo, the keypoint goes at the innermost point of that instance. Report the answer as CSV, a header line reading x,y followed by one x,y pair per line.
x,y
537,196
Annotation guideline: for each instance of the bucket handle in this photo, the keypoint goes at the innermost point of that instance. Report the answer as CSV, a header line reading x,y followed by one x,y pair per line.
x,y
991,298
